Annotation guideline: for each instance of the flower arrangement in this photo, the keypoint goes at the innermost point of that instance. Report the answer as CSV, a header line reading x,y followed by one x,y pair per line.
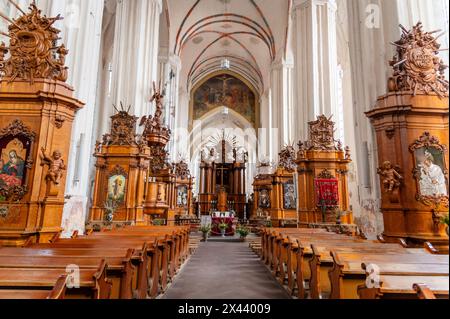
x,y
223,226
205,229
243,231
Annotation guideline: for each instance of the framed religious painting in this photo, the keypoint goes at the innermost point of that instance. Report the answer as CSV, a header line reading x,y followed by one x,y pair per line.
x,y
264,198
16,142
289,195
117,185
182,196
430,170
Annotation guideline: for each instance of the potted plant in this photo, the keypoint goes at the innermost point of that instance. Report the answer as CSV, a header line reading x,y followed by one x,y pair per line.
x,y
444,221
206,230
243,232
223,228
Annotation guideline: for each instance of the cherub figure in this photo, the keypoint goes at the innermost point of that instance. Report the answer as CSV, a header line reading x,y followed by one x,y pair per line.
x,y
391,178
56,166
348,154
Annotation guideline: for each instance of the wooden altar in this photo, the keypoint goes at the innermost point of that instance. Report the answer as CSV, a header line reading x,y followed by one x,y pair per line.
x,y
37,110
222,185
275,194
411,124
121,167
184,186
322,168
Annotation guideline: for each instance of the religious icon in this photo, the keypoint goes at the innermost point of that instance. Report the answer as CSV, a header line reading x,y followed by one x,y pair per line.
x,y
12,164
264,198
116,188
432,180
290,198
182,196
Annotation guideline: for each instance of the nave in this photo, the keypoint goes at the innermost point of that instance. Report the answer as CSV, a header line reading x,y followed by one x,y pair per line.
x,y
225,270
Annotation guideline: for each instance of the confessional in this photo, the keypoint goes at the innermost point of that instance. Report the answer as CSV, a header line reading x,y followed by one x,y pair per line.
x,y
37,110
411,125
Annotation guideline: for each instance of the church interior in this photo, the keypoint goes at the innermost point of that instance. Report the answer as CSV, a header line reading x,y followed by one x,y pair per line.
x,y
214,149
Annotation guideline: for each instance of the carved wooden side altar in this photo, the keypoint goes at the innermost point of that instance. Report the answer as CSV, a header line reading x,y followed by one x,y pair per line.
x,y
184,186
275,194
322,167
37,110
411,124
122,164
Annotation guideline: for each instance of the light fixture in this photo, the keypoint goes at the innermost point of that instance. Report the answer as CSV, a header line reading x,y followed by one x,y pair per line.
x,y
225,64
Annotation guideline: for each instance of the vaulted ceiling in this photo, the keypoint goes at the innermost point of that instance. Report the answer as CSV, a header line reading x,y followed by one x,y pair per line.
x,y
250,33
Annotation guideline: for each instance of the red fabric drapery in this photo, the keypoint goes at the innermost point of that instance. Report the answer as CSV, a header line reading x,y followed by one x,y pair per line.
x,y
327,192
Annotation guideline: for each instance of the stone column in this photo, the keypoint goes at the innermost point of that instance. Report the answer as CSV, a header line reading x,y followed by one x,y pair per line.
x,y
135,62
281,87
315,58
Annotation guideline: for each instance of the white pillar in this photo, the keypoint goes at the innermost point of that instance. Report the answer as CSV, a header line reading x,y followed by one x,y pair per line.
x,y
315,57
263,134
135,62
281,80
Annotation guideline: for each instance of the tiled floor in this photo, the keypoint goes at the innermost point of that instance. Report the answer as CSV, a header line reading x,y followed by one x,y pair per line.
x,y
227,270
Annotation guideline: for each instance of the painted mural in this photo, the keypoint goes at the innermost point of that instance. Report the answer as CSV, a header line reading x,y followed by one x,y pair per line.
x,y
225,90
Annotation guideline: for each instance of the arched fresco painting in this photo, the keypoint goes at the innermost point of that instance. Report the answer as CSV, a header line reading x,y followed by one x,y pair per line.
x,y
225,90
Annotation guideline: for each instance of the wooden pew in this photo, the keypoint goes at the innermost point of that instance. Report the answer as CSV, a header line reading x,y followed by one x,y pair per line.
x,y
348,272
322,262
94,283
58,292
120,270
147,258
404,287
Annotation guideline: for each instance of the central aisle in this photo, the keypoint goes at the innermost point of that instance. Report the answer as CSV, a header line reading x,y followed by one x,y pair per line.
x,y
225,270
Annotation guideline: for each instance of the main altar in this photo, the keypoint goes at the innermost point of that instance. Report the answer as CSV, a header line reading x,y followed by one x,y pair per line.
x,y
222,178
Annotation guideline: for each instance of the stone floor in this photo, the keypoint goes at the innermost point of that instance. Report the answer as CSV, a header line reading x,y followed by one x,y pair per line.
x,y
225,270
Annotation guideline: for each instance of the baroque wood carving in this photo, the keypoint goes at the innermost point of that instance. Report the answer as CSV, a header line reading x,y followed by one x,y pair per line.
x,y
391,178
416,65
287,159
182,170
123,129
56,166
33,49
321,134
153,125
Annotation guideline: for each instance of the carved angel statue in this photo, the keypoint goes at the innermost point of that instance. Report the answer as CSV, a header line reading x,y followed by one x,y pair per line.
x,y
56,166
391,178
